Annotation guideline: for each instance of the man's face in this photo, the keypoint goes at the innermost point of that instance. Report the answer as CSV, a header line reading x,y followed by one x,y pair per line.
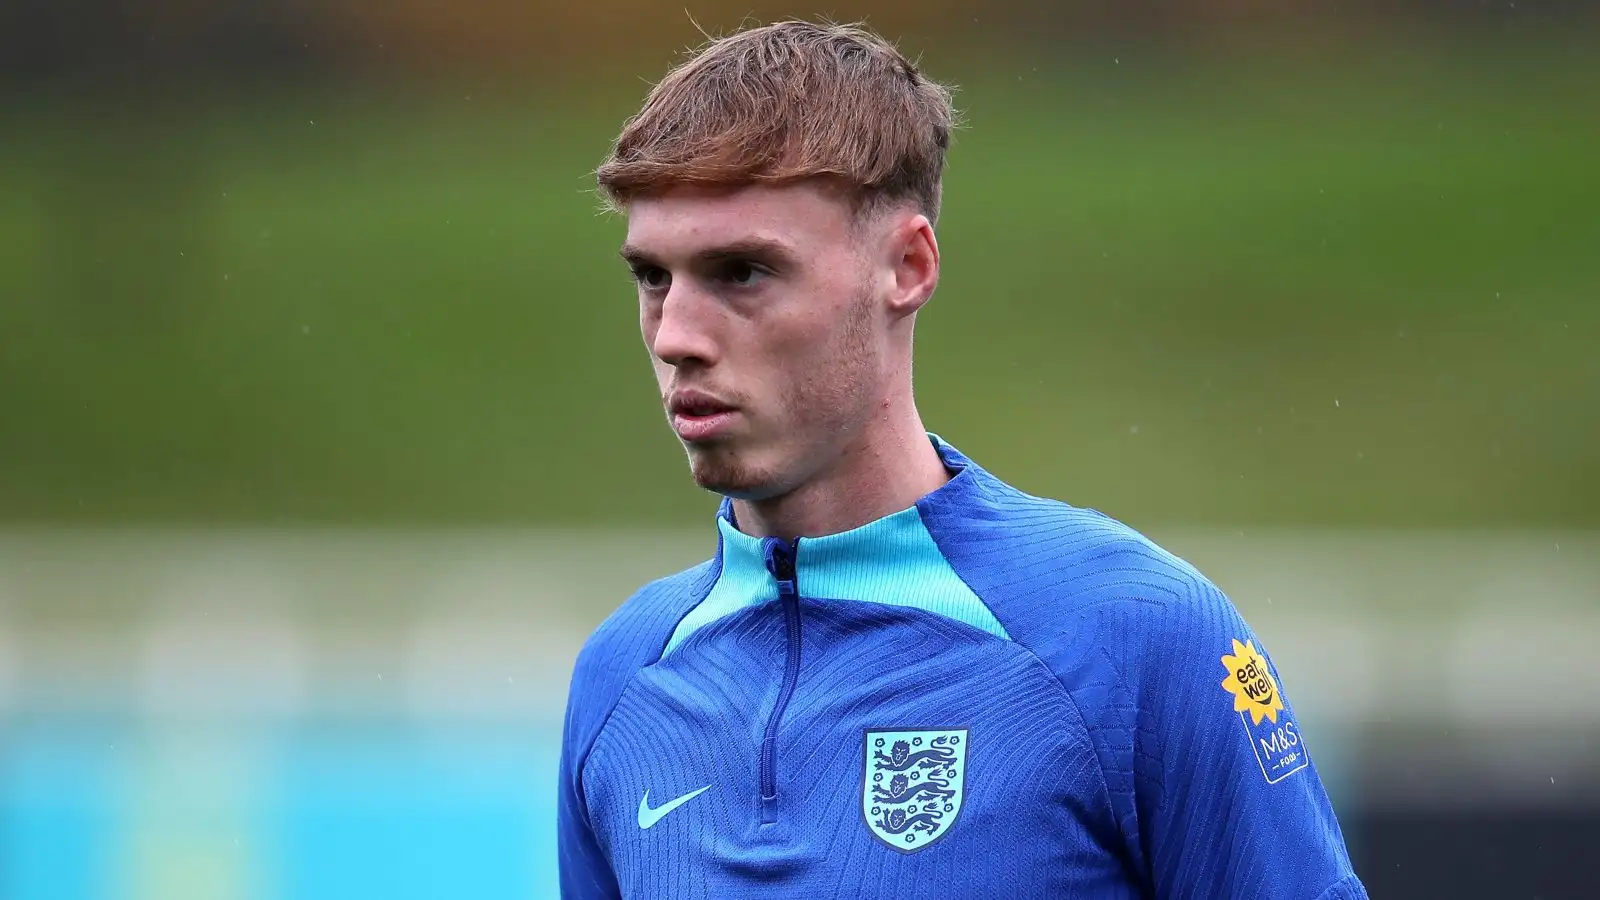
x,y
759,307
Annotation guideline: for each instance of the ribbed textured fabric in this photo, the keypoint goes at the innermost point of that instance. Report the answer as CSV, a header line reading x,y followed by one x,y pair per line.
x,y
742,581
892,560
628,640
1102,753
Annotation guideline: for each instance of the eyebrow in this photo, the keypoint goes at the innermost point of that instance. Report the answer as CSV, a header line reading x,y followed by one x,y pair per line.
x,y
761,248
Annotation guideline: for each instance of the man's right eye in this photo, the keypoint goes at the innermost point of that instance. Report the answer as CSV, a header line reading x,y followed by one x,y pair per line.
x,y
652,278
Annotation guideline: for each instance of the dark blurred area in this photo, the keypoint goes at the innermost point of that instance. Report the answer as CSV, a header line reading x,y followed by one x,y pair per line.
x,y
144,39
326,436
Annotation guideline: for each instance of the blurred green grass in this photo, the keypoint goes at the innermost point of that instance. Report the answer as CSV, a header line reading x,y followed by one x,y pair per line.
x,y
1350,290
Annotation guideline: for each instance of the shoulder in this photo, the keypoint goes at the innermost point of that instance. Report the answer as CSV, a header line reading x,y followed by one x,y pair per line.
x,y
652,610
629,639
1121,621
1043,564
1106,608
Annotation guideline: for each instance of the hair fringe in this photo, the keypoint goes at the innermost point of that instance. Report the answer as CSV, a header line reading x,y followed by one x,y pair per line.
x,y
786,102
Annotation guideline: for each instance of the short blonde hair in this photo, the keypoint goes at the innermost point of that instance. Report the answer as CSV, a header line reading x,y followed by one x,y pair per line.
x,y
785,102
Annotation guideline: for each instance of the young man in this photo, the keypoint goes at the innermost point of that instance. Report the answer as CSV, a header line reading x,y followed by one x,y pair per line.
x,y
898,676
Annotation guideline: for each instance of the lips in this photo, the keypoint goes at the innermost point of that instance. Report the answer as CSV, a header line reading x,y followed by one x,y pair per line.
x,y
698,416
695,404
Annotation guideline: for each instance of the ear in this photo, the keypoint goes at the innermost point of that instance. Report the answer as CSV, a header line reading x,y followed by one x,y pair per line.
x,y
913,256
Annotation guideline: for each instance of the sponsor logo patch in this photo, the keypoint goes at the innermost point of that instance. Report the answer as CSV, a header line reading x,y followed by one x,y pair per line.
x,y
1258,701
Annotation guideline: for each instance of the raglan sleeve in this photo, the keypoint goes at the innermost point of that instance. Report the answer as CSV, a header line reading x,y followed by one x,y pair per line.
x,y
585,874
1229,800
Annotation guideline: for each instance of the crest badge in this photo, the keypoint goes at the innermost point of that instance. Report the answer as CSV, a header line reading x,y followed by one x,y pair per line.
x,y
911,784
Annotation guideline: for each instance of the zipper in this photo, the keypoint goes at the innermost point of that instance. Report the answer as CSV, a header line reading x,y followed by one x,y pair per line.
x,y
780,556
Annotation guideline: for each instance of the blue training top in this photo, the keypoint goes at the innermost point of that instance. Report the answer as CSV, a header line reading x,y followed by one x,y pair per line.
x,y
988,694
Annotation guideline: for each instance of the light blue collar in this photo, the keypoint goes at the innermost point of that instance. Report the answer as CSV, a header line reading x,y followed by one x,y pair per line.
x,y
893,560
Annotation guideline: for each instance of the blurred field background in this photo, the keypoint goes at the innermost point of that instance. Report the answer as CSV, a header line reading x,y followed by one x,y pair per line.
x,y
326,434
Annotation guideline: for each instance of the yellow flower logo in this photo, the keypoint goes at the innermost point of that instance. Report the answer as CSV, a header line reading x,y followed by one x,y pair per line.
x,y
1251,683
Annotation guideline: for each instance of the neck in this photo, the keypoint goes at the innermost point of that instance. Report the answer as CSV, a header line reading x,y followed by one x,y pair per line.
x,y
889,467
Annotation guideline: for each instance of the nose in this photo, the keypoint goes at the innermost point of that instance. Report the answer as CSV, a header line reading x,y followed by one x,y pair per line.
x,y
683,328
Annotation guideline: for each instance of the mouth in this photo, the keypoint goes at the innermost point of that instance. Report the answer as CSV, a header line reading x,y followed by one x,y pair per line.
x,y
699,417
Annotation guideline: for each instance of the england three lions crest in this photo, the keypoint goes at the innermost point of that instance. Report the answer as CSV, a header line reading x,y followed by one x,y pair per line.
x,y
911,784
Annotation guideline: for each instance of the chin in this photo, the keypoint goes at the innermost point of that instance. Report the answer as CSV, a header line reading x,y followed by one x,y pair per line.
x,y
723,470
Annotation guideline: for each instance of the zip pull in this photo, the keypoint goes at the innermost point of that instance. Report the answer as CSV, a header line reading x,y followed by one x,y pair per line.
x,y
779,556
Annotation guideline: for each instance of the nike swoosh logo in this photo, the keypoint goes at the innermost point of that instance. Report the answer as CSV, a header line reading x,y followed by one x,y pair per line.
x,y
648,816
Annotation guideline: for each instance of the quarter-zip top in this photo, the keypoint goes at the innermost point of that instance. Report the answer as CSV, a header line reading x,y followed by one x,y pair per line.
x,y
780,559
993,695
